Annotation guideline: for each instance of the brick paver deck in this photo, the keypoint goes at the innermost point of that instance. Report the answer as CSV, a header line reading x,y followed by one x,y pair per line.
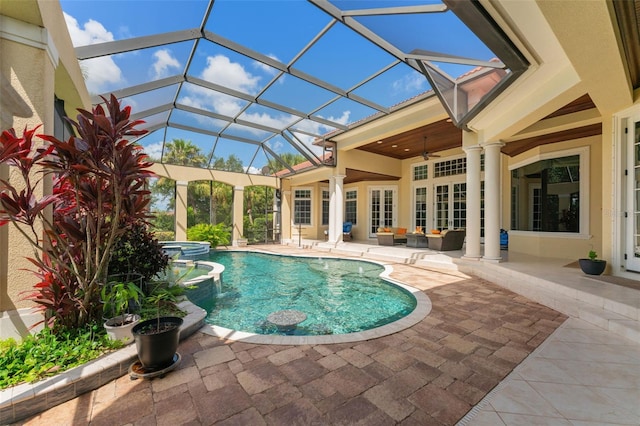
x,y
430,374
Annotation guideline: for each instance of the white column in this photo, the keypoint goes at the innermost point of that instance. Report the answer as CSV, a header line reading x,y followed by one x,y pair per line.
x,y
472,242
492,201
181,210
336,208
237,217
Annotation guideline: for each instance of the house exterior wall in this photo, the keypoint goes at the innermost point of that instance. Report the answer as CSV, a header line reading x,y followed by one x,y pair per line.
x,y
38,64
30,73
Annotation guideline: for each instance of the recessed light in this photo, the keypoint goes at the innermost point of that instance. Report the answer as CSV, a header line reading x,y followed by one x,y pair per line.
x,y
394,146
379,142
406,149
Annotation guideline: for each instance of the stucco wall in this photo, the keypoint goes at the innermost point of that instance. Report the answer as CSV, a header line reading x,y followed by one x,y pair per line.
x,y
30,72
37,64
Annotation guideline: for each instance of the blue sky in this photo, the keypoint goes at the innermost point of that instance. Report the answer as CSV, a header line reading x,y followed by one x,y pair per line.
x,y
278,29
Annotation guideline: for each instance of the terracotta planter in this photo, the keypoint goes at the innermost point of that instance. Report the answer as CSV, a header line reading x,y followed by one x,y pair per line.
x,y
592,267
156,349
119,328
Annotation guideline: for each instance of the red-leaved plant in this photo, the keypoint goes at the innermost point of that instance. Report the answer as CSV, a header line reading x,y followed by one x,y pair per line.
x,y
98,189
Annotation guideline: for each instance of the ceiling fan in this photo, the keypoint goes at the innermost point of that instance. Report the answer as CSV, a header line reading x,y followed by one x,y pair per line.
x,y
426,154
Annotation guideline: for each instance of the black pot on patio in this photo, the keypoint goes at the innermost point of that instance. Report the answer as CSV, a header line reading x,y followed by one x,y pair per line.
x,y
157,341
592,266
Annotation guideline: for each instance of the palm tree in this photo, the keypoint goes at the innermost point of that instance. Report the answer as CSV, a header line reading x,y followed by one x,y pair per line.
x,y
184,153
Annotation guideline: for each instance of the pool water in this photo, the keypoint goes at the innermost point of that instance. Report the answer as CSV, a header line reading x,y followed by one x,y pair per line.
x,y
337,296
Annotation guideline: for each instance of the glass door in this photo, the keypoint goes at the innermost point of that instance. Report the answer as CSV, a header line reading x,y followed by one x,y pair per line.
x,y
382,205
450,205
633,210
420,208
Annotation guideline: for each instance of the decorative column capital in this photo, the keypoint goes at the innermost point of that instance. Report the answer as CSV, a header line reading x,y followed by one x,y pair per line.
x,y
494,144
470,149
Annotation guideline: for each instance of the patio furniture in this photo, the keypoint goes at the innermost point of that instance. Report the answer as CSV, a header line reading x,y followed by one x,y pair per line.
x,y
346,231
451,239
391,236
417,240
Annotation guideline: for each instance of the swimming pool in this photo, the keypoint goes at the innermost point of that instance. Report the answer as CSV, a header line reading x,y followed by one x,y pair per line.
x,y
337,296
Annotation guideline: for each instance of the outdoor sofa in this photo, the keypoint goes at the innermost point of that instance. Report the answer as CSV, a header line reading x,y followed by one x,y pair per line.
x,y
450,239
391,236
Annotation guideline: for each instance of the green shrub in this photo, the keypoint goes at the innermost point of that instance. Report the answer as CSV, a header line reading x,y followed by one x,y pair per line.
x,y
47,353
137,251
216,235
165,235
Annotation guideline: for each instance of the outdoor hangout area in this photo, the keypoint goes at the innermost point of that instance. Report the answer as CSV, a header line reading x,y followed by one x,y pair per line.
x,y
319,212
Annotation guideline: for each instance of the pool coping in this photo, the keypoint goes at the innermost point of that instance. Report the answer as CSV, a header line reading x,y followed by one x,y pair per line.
x,y
422,309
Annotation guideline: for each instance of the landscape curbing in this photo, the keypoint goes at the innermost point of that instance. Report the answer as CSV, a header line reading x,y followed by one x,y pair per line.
x,y
25,400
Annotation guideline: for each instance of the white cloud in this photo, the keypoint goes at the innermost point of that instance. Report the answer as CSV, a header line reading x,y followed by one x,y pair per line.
x,y
344,119
410,83
163,61
154,151
93,32
100,72
268,120
222,71
252,170
266,68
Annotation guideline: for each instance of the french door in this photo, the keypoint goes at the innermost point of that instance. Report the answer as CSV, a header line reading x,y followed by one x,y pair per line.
x,y
633,196
450,205
382,208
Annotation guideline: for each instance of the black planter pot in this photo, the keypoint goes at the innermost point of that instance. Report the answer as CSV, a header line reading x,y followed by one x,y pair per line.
x,y
156,350
592,267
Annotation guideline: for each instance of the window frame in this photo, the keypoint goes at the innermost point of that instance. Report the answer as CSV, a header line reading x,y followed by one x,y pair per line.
x,y
295,198
324,205
585,176
354,220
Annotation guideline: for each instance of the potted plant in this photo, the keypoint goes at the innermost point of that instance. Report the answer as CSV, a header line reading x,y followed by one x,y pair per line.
x,y
118,298
157,338
592,265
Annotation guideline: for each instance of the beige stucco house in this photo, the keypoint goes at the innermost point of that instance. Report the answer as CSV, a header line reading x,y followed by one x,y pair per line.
x,y
553,159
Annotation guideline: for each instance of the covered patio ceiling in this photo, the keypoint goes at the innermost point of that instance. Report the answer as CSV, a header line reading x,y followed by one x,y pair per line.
x,y
264,81
443,135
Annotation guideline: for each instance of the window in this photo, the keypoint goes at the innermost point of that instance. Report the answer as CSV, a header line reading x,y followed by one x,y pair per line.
x,y
453,167
421,208
420,172
325,207
351,206
547,195
302,207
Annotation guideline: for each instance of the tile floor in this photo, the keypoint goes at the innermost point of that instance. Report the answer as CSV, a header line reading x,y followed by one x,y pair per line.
x,y
441,371
581,375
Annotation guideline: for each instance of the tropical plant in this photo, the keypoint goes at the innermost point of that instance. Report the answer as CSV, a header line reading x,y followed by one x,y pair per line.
x,y
216,235
46,353
98,187
137,251
117,298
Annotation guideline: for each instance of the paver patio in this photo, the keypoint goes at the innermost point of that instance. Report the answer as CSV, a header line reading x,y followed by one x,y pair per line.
x,y
432,373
